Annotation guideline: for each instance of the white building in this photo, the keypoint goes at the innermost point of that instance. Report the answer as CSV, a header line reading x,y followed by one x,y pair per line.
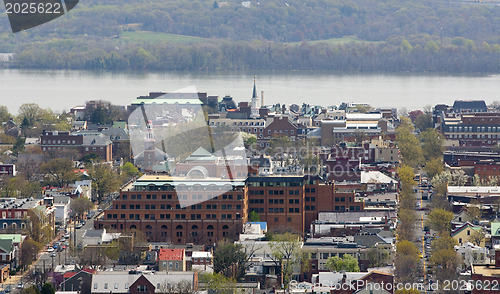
x,y
472,254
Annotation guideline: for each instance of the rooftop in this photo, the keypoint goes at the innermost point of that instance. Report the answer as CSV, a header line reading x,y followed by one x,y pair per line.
x,y
171,254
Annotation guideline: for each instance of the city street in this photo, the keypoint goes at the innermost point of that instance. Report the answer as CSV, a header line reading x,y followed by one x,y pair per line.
x,y
48,261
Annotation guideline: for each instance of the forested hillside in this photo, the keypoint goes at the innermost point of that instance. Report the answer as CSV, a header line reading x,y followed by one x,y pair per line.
x,y
117,34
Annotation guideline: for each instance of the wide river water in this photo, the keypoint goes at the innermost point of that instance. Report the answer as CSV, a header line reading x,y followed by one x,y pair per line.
x,y
61,90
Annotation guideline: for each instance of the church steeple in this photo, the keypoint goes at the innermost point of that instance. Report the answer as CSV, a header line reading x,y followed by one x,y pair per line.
x,y
255,101
254,89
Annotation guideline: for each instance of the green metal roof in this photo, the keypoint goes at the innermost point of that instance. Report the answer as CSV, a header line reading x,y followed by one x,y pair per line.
x,y
495,229
16,238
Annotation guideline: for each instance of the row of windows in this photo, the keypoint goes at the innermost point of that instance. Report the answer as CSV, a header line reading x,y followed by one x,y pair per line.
x,y
256,201
59,142
182,197
460,136
474,129
164,216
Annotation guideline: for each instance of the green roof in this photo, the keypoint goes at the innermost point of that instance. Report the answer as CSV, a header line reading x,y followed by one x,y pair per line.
x,y
119,124
6,245
16,238
495,229
201,154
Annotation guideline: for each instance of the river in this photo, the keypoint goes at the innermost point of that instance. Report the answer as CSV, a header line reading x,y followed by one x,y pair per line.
x,y
64,89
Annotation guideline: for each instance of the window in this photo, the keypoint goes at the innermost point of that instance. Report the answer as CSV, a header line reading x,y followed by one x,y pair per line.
x,y
105,285
116,285
95,285
142,288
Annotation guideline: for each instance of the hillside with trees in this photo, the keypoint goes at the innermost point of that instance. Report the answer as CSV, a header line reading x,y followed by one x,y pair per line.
x,y
391,36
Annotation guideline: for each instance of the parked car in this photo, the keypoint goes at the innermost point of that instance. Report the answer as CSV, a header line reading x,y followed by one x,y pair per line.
x,y
53,254
78,226
50,249
20,286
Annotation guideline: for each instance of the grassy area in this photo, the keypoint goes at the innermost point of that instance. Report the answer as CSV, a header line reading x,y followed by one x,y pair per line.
x,y
337,41
152,37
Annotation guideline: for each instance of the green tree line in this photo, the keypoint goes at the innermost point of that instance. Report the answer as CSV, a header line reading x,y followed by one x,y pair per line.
x,y
421,53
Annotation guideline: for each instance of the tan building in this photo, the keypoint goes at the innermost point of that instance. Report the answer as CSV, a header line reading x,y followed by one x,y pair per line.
x,y
172,260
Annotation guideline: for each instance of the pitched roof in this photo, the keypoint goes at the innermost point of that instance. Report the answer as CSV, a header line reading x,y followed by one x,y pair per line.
x,y
462,227
201,154
68,275
171,254
6,245
495,229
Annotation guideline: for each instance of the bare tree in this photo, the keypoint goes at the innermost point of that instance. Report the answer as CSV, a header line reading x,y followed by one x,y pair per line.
x,y
182,287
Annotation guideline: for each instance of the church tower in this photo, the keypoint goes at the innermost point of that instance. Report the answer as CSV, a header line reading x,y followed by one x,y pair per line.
x,y
149,148
255,101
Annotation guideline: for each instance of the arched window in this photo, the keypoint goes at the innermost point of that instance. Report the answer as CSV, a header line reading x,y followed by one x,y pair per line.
x,y
149,227
164,227
194,227
225,227
133,227
210,227
5,225
179,227
14,226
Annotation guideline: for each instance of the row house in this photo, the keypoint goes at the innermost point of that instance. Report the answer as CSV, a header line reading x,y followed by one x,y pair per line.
x,y
14,213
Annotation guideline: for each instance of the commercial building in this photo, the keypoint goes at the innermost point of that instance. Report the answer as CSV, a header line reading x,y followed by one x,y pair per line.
x,y
178,210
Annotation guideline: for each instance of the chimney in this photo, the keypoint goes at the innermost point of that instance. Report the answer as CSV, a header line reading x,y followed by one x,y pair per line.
x,y
261,98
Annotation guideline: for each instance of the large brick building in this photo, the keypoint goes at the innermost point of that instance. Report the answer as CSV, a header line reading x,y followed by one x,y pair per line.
x,y
203,211
472,129
174,209
293,202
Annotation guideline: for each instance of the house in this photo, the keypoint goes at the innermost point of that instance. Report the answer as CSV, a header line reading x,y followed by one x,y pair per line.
x,y
79,125
460,218
7,251
472,254
78,281
8,169
17,240
144,282
172,260
465,233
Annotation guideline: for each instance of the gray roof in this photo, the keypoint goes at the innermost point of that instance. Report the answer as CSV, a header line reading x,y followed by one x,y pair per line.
x,y
368,240
96,140
478,105
94,233
116,134
119,282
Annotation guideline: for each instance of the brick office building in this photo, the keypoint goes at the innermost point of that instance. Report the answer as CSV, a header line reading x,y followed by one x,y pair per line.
x,y
82,142
153,204
472,129
293,202
174,209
